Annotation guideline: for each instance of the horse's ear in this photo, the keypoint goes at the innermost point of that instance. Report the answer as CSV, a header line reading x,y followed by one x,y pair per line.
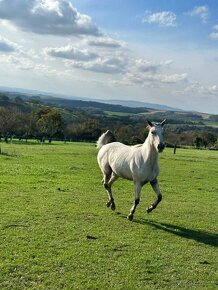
x,y
150,124
163,122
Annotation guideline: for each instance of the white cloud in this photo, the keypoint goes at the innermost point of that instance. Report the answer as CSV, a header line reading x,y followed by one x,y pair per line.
x,y
146,66
48,5
24,64
18,62
195,88
7,46
214,34
174,78
57,17
7,25
70,52
152,78
200,11
107,65
147,73
213,90
105,42
164,18
84,57
215,27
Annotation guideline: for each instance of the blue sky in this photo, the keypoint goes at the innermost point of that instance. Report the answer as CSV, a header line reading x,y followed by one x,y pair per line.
x,y
155,51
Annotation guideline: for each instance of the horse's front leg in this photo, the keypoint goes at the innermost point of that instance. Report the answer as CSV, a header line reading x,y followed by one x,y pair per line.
x,y
138,188
155,186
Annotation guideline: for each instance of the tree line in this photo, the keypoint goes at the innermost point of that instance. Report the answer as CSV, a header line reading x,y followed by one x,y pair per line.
x,y
31,119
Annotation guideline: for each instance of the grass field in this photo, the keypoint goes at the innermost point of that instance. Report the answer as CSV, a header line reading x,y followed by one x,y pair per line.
x,y
56,232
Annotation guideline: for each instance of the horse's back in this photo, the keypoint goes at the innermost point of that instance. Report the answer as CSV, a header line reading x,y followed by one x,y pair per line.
x,y
113,151
118,157
116,148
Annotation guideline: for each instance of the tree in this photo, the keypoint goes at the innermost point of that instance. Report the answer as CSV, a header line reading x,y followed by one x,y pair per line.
x,y
9,121
4,98
208,139
125,133
49,122
205,139
216,145
18,100
198,142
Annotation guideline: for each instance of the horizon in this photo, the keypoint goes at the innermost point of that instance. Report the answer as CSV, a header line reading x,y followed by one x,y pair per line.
x,y
152,52
124,102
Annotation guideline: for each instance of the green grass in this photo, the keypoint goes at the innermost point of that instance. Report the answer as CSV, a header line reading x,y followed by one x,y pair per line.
x,y
56,232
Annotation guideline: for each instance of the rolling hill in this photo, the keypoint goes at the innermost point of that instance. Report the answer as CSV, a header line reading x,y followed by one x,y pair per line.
x,y
71,100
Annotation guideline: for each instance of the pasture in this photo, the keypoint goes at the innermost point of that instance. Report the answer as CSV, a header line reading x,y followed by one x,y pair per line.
x,y
56,232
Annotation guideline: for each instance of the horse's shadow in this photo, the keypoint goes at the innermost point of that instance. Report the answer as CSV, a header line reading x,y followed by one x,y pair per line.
x,y
199,236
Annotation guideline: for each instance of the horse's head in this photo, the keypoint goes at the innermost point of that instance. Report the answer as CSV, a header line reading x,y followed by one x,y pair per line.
x,y
156,135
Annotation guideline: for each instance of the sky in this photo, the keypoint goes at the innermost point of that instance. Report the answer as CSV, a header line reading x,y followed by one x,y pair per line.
x,y
157,51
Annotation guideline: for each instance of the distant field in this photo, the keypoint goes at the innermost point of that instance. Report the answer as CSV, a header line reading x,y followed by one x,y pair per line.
x,y
120,114
212,124
56,232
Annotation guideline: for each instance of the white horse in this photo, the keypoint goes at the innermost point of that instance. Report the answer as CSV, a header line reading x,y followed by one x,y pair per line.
x,y
137,163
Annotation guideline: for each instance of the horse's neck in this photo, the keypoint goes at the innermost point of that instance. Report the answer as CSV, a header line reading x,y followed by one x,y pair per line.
x,y
149,152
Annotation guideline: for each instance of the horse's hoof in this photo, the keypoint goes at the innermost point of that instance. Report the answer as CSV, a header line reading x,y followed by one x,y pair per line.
x,y
108,203
113,207
130,217
150,209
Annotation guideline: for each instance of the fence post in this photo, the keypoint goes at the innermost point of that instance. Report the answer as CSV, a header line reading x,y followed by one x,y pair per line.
x,y
174,150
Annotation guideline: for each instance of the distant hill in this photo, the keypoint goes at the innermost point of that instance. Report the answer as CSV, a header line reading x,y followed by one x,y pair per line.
x,y
125,103
68,103
138,104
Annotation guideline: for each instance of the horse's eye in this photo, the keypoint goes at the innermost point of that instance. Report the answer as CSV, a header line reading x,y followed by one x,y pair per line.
x,y
153,132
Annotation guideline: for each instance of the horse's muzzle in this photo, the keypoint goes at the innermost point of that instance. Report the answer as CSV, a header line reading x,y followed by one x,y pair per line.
x,y
160,147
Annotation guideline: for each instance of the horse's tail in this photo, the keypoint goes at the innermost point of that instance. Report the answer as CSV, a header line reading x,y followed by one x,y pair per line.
x,y
105,138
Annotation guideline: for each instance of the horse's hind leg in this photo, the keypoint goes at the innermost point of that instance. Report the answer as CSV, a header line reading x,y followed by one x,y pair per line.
x,y
155,186
110,203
